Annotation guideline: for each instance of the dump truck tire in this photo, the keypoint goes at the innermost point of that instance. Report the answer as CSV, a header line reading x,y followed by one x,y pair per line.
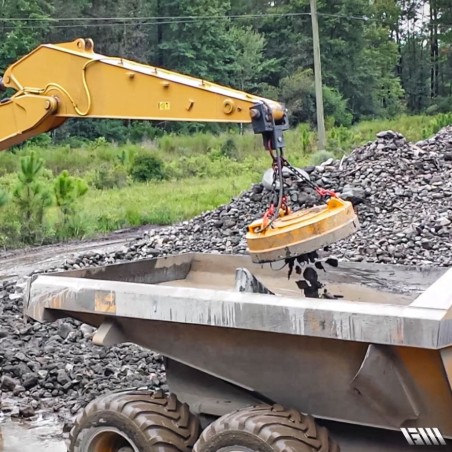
x,y
265,428
135,421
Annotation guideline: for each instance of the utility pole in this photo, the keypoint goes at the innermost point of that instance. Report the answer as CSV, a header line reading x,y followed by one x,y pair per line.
x,y
318,78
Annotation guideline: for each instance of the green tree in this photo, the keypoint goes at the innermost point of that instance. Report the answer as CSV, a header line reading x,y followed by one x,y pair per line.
x,y
32,198
441,53
359,58
67,190
202,48
298,93
21,36
249,61
425,48
378,55
288,38
359,55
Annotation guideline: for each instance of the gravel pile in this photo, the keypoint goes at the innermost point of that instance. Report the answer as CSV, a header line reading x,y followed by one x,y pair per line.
x,y
402,192
55,367
406,190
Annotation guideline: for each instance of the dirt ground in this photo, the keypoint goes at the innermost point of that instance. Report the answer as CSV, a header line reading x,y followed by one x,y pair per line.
x,y
16,263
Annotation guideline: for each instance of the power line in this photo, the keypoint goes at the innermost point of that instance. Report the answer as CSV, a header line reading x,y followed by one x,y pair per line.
x,y
119,24
166,18
153,20
161,20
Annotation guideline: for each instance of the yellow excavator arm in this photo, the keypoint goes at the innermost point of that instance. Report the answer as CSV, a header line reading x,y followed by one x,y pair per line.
x,y
57,82
69,80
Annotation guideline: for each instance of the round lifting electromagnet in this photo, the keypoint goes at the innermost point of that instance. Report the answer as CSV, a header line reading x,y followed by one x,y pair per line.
x,y
281,234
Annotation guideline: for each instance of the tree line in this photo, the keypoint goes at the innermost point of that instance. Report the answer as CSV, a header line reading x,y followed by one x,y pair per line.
x,y
379,58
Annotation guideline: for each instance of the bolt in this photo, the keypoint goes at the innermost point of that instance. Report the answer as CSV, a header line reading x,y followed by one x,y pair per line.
x,y
254,113
47,105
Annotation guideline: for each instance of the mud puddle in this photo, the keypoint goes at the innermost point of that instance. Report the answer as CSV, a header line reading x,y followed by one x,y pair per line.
x,y
40,435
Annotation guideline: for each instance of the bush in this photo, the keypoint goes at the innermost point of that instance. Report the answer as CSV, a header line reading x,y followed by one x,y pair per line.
x,y
127,155
99,142
146,168
307,138
108,222
133,216
229,148
336,107
76,227
140,131
9,226
42,140
75,142
9,162
108,176
339,139
441,120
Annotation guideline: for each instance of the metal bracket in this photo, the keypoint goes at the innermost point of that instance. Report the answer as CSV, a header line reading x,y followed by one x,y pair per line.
x,y
263,122
109,333
382,385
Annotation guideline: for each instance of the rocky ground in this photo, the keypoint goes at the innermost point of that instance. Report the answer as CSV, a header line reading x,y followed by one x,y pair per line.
x,y
402,192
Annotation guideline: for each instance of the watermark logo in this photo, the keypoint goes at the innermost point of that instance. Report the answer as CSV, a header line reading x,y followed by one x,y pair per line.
x,y
423,436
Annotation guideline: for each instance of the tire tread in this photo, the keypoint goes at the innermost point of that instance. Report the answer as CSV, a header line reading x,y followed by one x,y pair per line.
x,y
163,420
285,430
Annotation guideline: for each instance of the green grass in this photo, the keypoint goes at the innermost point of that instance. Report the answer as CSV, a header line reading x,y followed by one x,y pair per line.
x,y
203,172
161,203
300,144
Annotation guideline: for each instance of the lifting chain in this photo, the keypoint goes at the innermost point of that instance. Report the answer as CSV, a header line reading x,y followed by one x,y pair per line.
x,y
279,202
264,123
322,192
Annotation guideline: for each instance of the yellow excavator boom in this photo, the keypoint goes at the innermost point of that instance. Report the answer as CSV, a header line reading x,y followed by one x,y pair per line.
x,y
59,81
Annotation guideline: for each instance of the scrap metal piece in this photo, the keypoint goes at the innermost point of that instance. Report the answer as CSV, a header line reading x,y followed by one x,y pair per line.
x,y
245,281
333,262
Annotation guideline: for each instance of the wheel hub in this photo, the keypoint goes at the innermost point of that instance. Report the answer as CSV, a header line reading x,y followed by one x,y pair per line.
x,y
110,440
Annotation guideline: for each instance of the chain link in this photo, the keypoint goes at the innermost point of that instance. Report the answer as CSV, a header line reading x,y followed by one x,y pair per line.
x,y
279,197
322,192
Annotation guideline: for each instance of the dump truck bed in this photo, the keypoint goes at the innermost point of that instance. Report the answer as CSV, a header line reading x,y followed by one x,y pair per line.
x,y
383,304
234,333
